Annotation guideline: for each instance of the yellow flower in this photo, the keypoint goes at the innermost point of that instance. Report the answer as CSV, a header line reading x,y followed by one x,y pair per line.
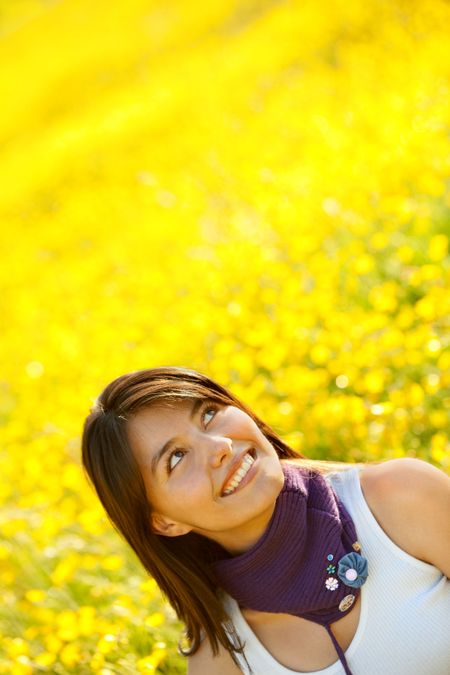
x,y
70,654
65,569
440,449
97,661
438,247
320,354
45,659
16,647
68,625
106,644
374,381
35,595
21,666
112,562
149,663
155,619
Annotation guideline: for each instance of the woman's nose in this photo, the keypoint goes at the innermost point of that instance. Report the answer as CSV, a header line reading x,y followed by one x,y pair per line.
x,y
220,451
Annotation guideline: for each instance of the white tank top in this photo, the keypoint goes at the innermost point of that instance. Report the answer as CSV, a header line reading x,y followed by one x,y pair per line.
x,y
404,625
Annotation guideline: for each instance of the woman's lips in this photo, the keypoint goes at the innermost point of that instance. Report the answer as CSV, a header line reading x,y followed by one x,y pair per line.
x,y
248,476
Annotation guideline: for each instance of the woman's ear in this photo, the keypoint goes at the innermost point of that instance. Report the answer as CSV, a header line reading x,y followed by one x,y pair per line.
x,y
168,528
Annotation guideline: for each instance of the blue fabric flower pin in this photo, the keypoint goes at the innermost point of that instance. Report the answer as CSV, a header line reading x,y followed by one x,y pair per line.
x,y
352,570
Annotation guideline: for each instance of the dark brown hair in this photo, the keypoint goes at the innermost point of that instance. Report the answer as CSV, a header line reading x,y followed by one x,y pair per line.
x,y
179,565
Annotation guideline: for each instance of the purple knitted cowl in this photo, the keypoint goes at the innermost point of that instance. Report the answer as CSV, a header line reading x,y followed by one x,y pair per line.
x,y
305,563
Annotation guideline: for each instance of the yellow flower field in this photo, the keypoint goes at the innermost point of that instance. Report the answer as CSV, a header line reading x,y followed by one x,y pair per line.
x,y
257,190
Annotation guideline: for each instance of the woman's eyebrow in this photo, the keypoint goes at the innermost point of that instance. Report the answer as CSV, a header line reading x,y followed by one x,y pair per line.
x,y
160,454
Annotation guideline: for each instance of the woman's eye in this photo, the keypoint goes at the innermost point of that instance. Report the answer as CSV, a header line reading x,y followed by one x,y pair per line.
x,y
207,411
175,457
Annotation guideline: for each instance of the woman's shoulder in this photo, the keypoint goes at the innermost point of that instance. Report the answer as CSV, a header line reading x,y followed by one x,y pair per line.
x,y
203,662
410,499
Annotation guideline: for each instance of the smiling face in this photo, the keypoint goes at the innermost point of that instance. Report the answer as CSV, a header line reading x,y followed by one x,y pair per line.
x,y
207,468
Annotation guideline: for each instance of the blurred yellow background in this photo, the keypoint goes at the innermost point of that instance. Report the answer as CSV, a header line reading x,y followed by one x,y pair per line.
x,y
255,189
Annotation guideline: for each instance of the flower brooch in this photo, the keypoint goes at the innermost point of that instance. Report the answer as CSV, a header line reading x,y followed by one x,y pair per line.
x,y
352,570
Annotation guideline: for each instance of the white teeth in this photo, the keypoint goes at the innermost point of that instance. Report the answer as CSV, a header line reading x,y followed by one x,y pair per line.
x,y
239,474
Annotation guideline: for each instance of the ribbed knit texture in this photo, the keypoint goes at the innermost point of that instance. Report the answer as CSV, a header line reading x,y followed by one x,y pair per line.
x,y
286,570
405,606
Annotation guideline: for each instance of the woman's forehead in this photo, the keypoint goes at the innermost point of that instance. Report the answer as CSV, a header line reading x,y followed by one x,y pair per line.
x,y
160,411
150,425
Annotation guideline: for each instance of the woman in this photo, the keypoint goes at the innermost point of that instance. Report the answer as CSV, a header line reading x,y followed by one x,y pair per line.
x,y
275,563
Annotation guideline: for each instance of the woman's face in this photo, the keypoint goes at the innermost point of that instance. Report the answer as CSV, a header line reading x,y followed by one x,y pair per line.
x,y
207,468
